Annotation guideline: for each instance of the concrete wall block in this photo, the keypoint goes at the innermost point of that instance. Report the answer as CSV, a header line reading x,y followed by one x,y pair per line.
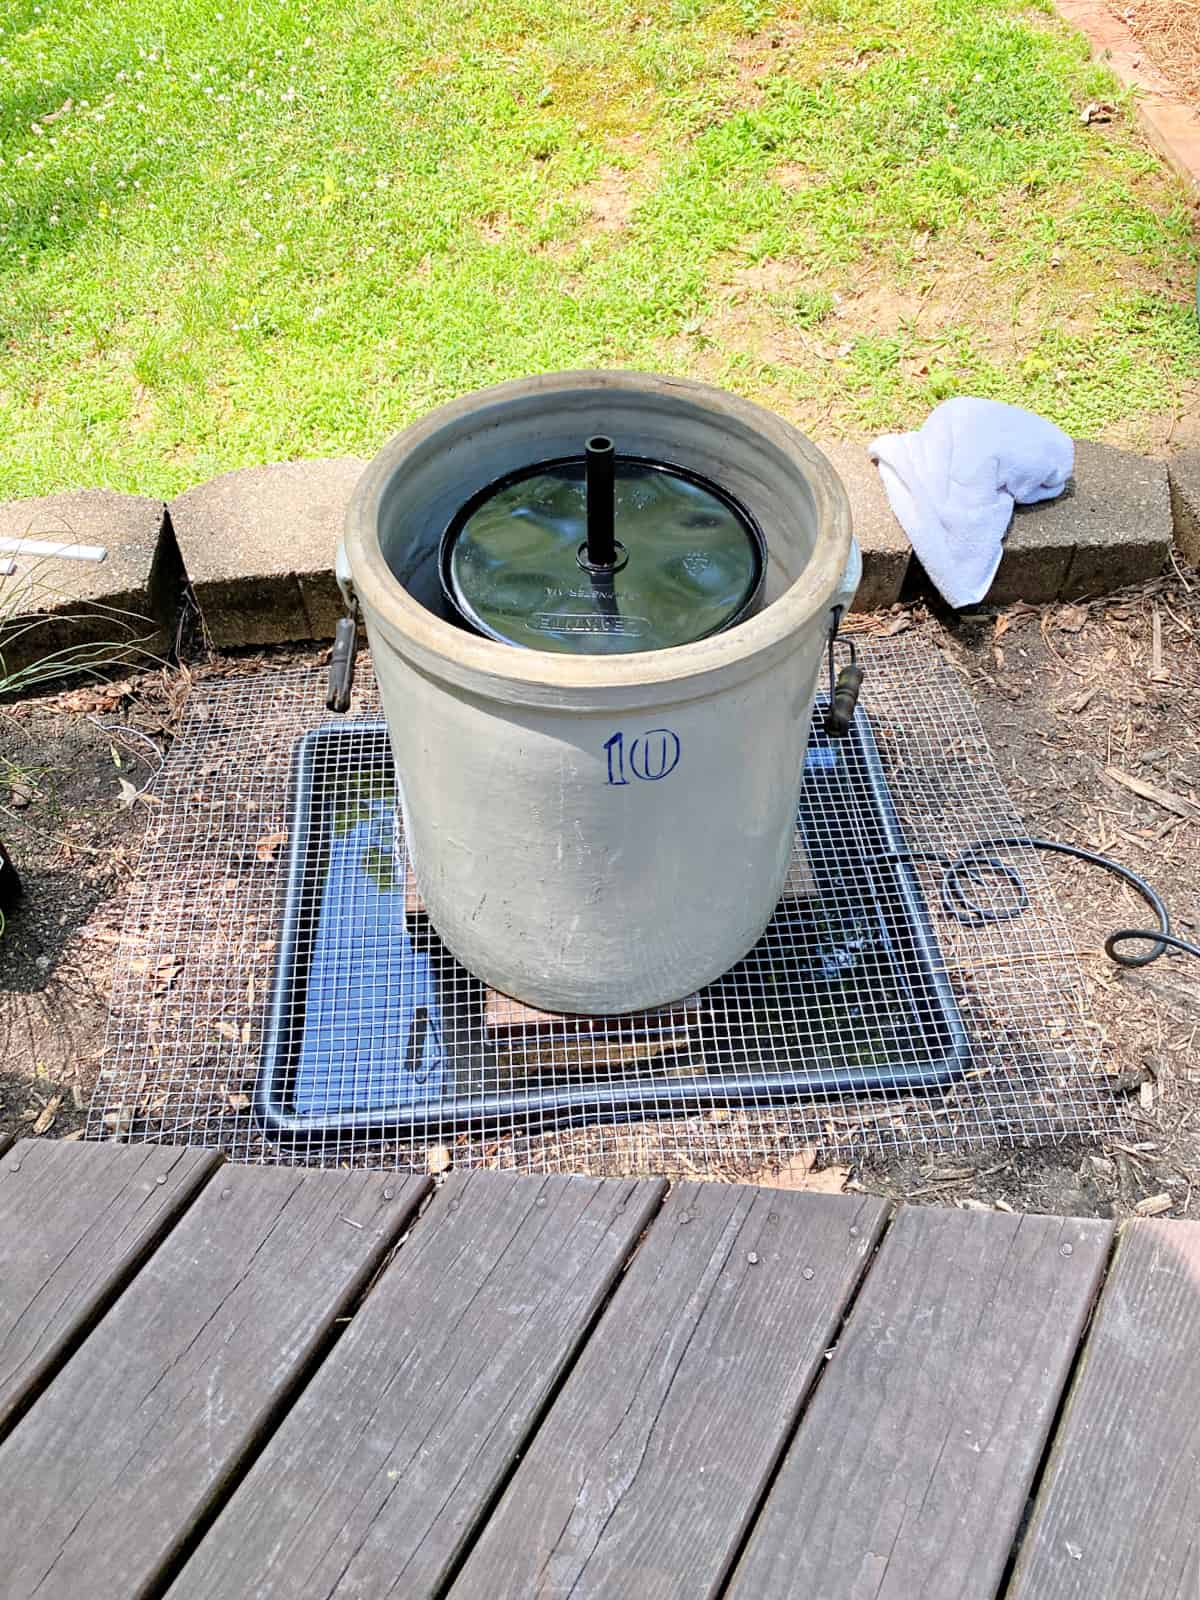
x,y
1184,474
258,547
1117,515
259,544
130,600
1035,561
886,551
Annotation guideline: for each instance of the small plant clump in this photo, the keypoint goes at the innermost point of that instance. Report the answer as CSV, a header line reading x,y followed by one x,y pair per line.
x,y
26,599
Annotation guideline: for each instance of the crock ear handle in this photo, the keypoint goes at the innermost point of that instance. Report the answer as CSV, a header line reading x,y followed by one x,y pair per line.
x,y
850,580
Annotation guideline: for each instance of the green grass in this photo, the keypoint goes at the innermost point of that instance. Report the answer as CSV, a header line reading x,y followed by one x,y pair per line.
x,y
235,232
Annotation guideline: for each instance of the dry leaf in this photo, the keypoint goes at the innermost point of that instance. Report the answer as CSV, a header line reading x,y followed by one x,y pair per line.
x,y
110,935
437,1159
99,699
1154,1205
164,972
1082,701
830,1180
227,1030
801,1172
268,845
899,624
237,1102
1001,625
1071,618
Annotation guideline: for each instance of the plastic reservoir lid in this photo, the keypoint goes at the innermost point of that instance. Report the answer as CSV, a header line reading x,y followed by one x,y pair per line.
x,y
687,559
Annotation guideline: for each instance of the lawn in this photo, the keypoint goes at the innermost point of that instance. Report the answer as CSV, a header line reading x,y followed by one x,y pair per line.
x,y
267,231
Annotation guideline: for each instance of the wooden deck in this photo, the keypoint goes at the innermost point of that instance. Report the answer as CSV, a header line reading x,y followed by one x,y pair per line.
x,y
229,1381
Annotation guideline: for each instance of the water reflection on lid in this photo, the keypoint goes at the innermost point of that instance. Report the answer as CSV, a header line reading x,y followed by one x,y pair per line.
x,y
688,559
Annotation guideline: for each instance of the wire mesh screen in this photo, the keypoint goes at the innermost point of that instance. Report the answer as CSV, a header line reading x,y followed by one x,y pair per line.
x,y
281,993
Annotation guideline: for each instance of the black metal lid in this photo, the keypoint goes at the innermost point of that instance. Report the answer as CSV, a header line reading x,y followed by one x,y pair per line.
x,y
602,554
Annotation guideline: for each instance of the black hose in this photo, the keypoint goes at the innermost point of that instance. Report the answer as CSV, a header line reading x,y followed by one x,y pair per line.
x,y
1161,937
974,864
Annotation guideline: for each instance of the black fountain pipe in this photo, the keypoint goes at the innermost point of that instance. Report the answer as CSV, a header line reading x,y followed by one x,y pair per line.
x,y
600,475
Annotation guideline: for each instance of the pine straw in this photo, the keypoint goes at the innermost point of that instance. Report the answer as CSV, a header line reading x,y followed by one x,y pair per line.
x,y
1169,31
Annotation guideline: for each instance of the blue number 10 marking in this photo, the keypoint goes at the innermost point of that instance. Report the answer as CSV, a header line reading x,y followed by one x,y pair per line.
x,y
651,756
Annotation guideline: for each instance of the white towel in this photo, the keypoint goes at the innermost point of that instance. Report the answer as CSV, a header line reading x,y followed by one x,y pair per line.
x,y
952,485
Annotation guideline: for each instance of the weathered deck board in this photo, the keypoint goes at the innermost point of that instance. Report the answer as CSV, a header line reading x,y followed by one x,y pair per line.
x,y
911,1468
75,1223
1118,1512
113,1468
643,1477
379,1475
557,1388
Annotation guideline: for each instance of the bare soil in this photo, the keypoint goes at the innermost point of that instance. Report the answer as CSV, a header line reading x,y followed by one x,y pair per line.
x,y
1090,710
70,777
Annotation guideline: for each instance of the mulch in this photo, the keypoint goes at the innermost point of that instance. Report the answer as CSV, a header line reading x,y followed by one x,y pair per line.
x,y
1169,31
